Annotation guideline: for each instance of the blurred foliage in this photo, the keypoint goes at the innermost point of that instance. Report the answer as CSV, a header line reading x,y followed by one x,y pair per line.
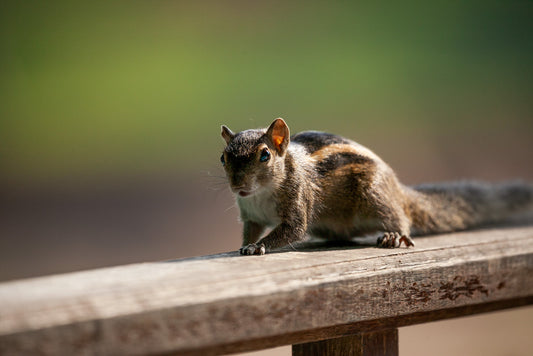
x,y
113,88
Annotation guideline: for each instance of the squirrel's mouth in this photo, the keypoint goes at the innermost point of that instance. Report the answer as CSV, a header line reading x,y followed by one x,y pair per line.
x,y
244,193
244,190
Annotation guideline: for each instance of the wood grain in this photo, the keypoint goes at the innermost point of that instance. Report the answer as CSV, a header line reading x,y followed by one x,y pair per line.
x,y
383,343
229,303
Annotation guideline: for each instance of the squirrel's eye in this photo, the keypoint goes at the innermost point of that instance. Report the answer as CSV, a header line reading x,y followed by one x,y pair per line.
x,y
222,160
265,155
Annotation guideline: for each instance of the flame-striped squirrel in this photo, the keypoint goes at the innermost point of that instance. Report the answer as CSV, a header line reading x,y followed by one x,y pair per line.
x,y
324,185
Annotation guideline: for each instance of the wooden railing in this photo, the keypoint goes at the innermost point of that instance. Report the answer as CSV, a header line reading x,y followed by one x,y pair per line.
x,y
319,299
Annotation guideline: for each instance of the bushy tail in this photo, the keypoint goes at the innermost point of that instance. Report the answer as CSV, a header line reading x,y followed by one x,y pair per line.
x,y
456,206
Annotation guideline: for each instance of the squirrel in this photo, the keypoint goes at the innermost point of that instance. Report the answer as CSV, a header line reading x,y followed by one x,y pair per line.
x,y
324,185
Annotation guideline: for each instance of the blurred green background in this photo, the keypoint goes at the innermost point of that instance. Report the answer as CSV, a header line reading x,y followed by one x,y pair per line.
x,y
110,112
119,89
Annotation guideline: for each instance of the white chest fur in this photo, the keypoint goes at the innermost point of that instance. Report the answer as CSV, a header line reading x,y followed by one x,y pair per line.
x,y
260,207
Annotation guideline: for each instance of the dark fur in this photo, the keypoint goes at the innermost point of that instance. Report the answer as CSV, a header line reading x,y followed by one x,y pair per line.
x,y
314,140
331,187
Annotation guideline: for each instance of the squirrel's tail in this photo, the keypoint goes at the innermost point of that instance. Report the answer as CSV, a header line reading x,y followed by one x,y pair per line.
x,y
446,207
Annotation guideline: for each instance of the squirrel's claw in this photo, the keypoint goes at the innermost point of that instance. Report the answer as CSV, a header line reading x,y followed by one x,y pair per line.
x,y
253,249
394,240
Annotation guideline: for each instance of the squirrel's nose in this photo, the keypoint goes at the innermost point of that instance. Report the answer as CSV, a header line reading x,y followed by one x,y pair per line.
x,y
237,180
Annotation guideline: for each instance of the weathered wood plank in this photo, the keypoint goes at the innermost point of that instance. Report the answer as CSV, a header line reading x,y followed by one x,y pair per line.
x,y
383,343
228,303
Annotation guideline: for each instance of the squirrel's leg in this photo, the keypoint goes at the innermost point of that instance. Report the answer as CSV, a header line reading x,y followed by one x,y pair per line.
x,y
282,235
251,232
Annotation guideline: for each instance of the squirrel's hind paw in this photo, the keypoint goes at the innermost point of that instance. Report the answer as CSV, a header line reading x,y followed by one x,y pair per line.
x,y
253,249
394,240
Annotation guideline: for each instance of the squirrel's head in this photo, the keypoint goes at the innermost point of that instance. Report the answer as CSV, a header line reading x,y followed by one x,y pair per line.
x,y
254,159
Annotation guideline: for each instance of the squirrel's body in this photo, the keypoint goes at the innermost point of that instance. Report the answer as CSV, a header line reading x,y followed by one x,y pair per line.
x,y
327,186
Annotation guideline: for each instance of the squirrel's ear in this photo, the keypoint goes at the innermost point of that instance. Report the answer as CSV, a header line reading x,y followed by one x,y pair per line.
x,y
227,134
278,132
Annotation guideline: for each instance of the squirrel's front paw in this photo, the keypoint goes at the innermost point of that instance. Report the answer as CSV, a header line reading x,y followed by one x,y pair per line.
x,y
393,239
253,249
